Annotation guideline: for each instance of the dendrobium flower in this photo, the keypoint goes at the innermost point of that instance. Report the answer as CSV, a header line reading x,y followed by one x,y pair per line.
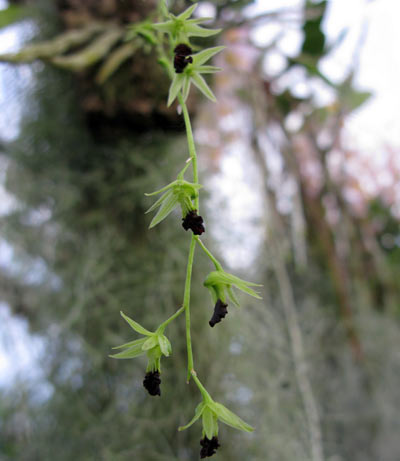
x,y
178,192
181,28
220,285
192,74
155,345
211,412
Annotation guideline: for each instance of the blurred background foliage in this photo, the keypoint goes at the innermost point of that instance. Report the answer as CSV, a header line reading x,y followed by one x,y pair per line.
x,y
314,366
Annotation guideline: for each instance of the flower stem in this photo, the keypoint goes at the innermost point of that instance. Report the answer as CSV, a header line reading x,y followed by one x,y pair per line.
x,y
170,319
186,305
191,145
186,298
217,265
202,389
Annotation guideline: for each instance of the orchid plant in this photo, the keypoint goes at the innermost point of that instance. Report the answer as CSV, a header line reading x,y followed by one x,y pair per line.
x,y
171,38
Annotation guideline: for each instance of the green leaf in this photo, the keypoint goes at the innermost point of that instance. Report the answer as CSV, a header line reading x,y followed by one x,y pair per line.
x,y
187,13
165,209
201,84
229,418
210,424
130,353
203,56
150,343
198,412
159,201
176,85
135,326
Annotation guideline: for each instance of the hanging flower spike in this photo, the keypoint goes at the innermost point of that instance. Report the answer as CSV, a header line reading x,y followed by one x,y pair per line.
x,y
155,345
179,192
192,74
220,284
181,28
211,412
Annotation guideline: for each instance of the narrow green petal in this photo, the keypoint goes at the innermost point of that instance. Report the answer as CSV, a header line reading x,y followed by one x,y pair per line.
x,y
210,423
229,418
163,189
175,87
232,296
163,26
203,56
187,13
159,201
198,20
201,84
135,326
193,30
150,343
130,353
165,209
207,69
131,343
198,412
186,89
165,345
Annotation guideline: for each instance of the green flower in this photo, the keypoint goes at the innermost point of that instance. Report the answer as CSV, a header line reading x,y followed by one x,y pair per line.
x,y
212,412
154,344
192,74
220,284
181,28
178,192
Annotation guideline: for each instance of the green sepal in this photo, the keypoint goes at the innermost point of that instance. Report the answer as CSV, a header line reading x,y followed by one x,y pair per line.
x,y
210,423
187,13
201,84
197,413
164,344
193,30
229,418
176,85
150,343
131,343
167,206
207,69
203,56
135,326
156,204
131,352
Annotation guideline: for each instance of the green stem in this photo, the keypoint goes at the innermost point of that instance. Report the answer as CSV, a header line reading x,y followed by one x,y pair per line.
x,y
217,265
191,145
170,319
186,305
202,389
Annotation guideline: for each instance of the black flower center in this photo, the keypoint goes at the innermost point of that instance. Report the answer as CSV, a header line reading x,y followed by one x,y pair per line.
x,y
182,58
152,382
209,447
220,310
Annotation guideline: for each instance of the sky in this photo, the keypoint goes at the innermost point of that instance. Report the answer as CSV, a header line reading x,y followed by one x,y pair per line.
x,y
369,129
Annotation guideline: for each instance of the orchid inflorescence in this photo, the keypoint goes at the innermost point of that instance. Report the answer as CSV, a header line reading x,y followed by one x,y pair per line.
x,y
184,68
